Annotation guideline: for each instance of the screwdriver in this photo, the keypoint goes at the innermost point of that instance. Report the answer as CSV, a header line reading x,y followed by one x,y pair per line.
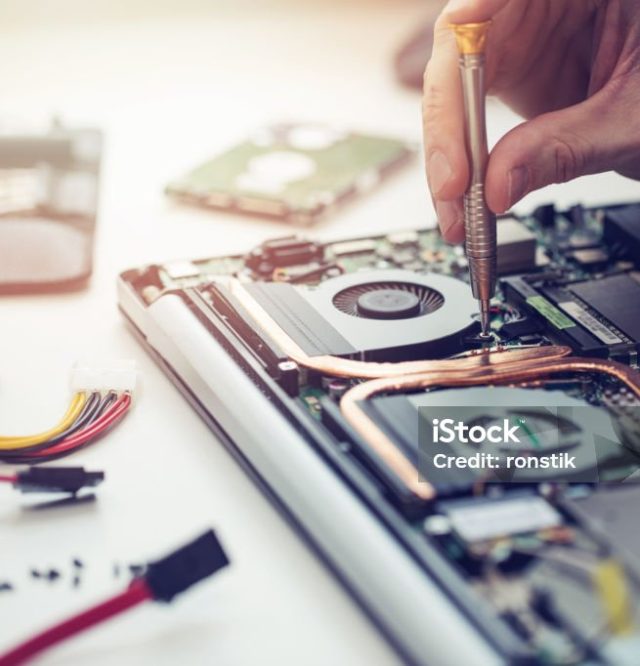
x,y
479,221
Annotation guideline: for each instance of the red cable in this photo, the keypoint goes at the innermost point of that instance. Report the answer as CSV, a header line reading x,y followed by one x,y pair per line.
x,y
114,414
8,478
137,593
106,421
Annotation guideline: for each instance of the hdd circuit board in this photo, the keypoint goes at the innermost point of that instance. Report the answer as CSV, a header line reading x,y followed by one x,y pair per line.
x,y
356,339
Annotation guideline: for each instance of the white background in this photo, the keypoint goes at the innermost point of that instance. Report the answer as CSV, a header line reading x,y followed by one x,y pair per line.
x,y
171,83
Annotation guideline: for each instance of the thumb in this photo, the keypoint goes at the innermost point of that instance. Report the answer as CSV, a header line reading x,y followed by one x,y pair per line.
x,y
554,148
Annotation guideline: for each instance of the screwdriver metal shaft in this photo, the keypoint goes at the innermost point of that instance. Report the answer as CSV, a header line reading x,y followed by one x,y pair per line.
x,y
479,221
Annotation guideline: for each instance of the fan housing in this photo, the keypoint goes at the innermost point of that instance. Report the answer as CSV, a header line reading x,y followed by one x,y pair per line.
x,y
376,314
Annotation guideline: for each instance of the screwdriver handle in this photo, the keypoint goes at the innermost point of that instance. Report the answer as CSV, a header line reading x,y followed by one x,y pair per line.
x,y
480,242
480,222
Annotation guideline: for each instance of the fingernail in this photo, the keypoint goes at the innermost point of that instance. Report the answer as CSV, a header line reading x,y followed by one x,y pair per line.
x,y
439,171
518,184
450,219
456,4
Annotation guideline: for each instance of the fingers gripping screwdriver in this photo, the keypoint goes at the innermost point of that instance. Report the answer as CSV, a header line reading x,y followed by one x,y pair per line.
x,y
479,221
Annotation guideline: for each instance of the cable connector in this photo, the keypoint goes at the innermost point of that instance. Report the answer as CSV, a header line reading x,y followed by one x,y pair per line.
x,y
190,564
56,479
119,376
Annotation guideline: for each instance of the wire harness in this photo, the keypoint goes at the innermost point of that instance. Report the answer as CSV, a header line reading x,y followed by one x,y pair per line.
x,y
102,398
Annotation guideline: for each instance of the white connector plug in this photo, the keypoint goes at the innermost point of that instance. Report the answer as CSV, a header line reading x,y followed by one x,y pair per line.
x,y
119,376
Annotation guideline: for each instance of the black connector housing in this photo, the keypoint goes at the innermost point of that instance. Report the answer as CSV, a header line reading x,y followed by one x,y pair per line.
x,y
190,564
282,252
56,479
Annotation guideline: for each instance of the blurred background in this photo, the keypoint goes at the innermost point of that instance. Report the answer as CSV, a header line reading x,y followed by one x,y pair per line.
x,y
171,83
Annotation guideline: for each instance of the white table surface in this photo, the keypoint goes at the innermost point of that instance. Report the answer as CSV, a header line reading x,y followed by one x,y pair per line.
x,y
171,83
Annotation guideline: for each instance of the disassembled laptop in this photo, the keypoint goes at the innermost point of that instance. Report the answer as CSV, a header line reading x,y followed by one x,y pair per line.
x,y
314,362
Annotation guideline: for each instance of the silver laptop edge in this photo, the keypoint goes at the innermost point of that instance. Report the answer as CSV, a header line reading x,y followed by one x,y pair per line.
x,y
425,624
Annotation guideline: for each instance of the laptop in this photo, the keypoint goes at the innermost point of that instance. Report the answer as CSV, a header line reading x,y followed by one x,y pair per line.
x,y
476,498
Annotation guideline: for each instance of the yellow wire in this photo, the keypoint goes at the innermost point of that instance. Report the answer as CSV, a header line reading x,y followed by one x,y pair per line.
x,y
72,413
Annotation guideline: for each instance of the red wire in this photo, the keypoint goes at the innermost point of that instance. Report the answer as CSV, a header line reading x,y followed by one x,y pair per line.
x,y
114,414
137,593
108,419
8,478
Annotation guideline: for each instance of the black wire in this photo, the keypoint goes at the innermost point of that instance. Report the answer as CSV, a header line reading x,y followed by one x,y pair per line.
x,y
92,410
86,416
106,403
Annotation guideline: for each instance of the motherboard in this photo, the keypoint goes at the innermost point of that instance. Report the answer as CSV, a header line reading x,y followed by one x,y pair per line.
x,y
359,341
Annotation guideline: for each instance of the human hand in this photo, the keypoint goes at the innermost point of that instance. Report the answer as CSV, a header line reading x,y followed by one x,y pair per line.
x,y
571,67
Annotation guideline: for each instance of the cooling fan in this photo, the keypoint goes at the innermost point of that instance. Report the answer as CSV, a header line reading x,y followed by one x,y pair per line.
x,y
388,300
382,315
